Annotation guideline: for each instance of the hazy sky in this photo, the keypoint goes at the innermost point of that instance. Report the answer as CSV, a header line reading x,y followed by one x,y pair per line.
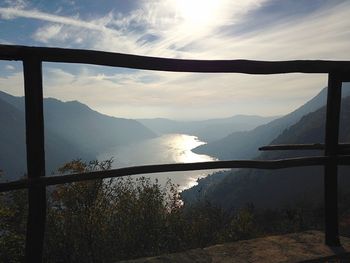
x,y
200,29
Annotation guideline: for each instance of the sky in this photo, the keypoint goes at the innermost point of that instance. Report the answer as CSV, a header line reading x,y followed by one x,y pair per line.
x,y
190,29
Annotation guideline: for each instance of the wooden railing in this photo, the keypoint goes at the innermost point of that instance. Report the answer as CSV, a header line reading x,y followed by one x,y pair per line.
x,y
32,57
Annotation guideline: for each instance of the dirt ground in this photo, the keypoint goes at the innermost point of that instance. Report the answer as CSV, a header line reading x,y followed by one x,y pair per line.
x,y
305,247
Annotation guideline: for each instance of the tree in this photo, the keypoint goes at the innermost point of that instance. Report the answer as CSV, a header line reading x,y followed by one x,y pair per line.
x,y
107,220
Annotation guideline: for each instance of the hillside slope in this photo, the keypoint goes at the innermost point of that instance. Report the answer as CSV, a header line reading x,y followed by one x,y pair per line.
x,y
245,144
93,131
72,130
279,187
13,149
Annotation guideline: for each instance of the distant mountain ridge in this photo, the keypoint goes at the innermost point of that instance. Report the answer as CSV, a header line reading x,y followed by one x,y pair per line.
x,y
207,130
72,130
12,140
13,149
266,188
245,144
93,131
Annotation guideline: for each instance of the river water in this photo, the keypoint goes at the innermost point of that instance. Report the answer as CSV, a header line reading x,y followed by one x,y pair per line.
x,y
169,148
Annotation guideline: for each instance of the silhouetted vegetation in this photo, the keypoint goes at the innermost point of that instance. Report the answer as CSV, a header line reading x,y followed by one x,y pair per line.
x,y
13,215
110,220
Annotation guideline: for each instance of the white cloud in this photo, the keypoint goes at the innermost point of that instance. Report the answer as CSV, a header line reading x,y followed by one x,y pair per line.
x,y
18,4
49,33
184,95
112,31
35,14
323,34
9,67
13,84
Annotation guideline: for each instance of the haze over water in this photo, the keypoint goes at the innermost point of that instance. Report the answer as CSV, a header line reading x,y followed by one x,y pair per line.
x,y
169,148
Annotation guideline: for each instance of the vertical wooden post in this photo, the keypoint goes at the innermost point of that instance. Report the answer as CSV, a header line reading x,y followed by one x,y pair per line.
x,y
331,168
35,158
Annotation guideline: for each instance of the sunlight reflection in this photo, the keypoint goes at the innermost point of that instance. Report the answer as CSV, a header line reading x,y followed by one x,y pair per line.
x,y
168,148
182,145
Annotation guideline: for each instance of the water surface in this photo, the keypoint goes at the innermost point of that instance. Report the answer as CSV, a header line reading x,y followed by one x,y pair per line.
x,y
169,148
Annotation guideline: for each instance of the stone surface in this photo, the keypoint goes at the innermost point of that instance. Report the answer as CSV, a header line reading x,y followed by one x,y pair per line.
x,y
297,247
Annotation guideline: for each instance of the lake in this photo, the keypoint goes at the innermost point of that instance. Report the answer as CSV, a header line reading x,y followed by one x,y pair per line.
x,y
169,148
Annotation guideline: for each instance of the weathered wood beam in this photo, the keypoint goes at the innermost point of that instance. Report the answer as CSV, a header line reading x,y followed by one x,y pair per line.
x,y
343,148
160,168
344,77
331,167
35,158
9,52
282,147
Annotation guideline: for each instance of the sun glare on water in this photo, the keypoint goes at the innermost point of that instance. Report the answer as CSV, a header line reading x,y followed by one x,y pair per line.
x,y
182,145
168,148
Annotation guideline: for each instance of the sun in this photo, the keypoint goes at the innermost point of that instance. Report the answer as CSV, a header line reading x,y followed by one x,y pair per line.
x,y
197,12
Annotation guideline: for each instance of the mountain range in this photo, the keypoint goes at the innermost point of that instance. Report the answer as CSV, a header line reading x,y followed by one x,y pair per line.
x,y
245,144
72,130
270,189
206,130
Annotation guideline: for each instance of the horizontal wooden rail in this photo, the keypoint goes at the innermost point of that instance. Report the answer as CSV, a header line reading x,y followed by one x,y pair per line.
x,y
342,147
10,52
160,168
279,147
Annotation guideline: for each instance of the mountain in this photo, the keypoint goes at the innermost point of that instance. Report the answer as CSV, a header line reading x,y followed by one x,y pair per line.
x,y
72,130
245,144
12,141
207,130
266,188
13,149
93,131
